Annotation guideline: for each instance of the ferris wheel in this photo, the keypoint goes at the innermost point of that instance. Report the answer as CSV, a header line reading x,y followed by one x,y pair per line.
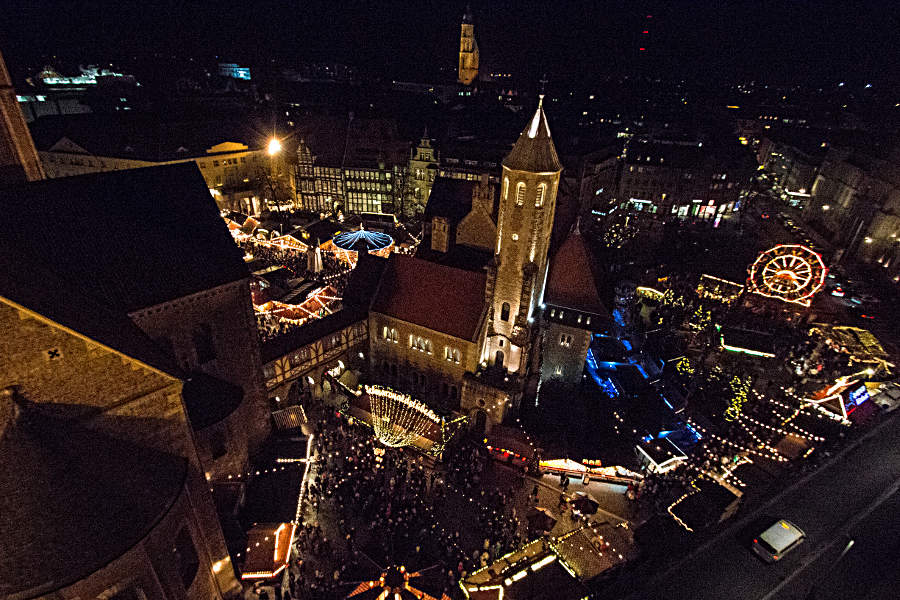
x,y
788,272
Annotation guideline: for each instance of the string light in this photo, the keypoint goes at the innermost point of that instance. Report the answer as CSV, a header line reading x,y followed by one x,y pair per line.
x,y
397,418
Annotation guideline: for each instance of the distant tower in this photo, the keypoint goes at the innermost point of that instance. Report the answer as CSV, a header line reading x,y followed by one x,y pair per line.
x,y
468,50
516,280
18,158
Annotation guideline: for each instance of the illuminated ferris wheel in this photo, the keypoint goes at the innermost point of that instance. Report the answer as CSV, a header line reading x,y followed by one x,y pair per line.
x,y
788,272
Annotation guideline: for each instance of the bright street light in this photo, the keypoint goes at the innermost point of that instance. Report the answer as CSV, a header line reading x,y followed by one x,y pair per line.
x,y
274,147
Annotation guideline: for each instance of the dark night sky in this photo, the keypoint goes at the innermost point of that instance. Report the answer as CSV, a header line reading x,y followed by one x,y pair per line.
x,y
775,41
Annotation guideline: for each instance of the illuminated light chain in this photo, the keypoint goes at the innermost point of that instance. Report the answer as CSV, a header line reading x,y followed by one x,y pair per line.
x,y
806,403
679,501
736,445
758,439
253,472
801,434
298,515
397,418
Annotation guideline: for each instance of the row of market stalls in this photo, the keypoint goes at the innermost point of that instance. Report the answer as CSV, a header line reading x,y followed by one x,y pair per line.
x,y
344,242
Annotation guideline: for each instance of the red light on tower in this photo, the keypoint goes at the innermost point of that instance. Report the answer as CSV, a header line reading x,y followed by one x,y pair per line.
x,y
642,49
649,16
645,31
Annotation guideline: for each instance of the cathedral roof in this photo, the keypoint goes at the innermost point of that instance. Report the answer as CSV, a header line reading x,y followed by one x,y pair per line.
x,y
433,296
74,496
534,151
134,238
571,283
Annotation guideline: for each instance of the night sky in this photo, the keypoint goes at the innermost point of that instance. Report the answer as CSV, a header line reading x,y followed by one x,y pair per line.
x,y
776,41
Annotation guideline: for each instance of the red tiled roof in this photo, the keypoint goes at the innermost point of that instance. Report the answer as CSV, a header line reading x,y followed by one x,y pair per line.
x,y
433,296
571,282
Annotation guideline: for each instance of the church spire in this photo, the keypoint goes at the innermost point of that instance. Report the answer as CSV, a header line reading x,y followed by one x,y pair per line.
x,y
534,151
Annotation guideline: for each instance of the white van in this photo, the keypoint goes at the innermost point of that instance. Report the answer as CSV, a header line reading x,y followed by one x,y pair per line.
x,y
778,540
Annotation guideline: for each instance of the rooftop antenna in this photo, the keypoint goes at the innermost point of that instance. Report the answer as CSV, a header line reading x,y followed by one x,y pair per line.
x,y
543,83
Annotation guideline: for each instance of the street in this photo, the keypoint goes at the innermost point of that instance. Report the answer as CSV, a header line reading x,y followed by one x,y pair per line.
x,y
855,498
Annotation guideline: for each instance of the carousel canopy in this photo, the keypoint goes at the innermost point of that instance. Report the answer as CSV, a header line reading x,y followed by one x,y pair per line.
x,y
362,240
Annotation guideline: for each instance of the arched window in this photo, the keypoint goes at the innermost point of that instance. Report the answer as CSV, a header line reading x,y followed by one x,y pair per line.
x,y
428,346
505,188
395,337
520,194
539,198
456,356
504,312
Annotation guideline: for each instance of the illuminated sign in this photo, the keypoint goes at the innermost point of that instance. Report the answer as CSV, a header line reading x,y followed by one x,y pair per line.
x,y
856,397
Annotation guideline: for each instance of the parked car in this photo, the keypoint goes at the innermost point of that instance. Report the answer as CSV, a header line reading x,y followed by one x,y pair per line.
x,y
776,541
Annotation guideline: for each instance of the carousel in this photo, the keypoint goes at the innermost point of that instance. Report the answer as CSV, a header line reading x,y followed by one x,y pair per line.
x,y
347,246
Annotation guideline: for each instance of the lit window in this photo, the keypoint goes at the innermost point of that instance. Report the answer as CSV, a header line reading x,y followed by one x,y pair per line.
x,y
515,237
539,199
520,194
505,188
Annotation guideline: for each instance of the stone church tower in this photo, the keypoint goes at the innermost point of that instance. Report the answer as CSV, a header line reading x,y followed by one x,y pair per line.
x,y
516,279
18,159
468,50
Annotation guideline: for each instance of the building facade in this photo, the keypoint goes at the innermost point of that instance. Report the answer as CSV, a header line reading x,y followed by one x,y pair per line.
x,y
856,203
83,382
676,180
423,163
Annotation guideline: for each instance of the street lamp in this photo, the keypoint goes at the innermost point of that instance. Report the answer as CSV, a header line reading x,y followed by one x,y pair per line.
x,y
274,146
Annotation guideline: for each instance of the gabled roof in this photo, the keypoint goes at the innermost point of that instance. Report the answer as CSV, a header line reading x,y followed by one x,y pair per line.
x,y
134,238
433,296
140,136
74,494
534,151
450,198
570,282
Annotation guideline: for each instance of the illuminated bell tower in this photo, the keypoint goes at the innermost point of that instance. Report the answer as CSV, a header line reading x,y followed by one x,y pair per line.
x,y
516,280
468,50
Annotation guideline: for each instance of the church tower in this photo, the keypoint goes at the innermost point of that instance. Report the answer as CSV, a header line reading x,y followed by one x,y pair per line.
x,y
468,50
19,160
516,280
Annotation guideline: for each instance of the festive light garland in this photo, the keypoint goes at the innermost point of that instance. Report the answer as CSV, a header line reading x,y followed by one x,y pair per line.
x,y
397,418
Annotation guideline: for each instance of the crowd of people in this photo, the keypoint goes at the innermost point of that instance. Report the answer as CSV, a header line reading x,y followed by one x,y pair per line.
x,y
365,512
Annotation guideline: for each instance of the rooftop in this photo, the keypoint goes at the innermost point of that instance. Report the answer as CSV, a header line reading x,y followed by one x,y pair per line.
x,y
534,151
142,136
437,297
74,494
133,238
570,282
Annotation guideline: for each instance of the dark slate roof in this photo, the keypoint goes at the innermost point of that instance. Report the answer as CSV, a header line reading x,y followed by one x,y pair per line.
x,y
570,282
73,500
534,151
74,307
433,296
209,400
134,238
450,198
309,332
141,136
364,280
458,256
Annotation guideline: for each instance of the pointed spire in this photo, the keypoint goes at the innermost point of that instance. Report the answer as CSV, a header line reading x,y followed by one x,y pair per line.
x,y
535,151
